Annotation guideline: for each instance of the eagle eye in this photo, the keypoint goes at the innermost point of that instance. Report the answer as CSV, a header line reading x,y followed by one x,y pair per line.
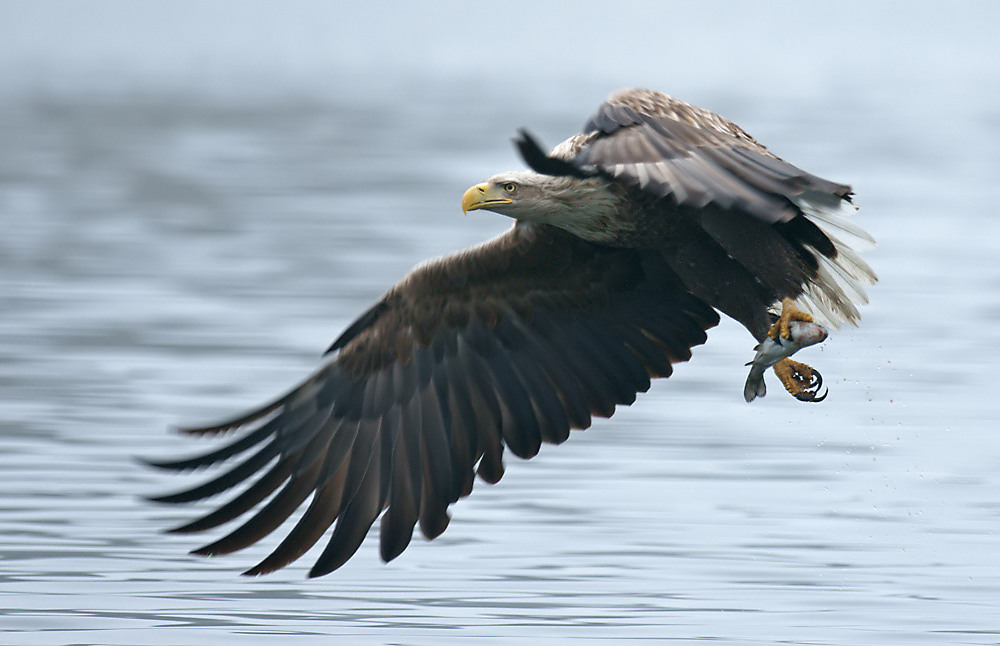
x,y
509,187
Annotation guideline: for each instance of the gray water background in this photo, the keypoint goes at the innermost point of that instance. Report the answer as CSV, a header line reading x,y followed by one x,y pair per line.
x,y
194,200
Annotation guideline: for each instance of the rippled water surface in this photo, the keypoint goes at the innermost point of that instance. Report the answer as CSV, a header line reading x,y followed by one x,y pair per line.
x,y
168,258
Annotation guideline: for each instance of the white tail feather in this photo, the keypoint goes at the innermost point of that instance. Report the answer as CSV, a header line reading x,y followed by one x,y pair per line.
x,y
838,289
832,215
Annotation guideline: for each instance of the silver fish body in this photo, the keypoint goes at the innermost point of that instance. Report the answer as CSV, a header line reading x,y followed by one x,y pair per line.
x,y
802,335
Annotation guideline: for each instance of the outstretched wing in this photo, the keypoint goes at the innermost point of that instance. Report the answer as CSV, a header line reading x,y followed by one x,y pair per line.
x,y
712,173
511,343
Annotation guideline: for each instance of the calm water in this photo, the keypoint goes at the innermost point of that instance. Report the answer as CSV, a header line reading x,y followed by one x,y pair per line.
x,y
167,258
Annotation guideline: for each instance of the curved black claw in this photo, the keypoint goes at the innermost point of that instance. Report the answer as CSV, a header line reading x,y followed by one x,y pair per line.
x,y
810,392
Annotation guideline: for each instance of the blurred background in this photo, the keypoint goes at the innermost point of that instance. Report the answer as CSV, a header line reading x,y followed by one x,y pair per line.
x,y
195,197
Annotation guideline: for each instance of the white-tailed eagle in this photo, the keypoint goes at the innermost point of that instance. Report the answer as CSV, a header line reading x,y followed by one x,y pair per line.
x,y
627,239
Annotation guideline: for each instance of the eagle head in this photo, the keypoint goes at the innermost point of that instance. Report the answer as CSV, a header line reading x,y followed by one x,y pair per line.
x,y
584,207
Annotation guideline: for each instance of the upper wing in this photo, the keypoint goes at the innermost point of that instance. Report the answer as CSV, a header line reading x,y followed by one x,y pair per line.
x,y
669,148
713,174
513,342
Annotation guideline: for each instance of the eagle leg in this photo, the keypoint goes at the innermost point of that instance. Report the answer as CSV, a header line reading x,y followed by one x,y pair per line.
x,y
788,313
802,381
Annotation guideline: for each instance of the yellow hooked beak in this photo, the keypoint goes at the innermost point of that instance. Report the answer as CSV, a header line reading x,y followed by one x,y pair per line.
x,y
483,196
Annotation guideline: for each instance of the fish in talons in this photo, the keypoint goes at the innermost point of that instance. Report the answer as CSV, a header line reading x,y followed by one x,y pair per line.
x,y
802,334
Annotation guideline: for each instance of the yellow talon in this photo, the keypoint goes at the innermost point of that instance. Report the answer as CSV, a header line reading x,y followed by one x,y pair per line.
x,y
788,313
802,381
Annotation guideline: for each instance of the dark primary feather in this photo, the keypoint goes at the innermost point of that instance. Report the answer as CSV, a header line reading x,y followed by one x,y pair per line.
x,y
509,344
540,162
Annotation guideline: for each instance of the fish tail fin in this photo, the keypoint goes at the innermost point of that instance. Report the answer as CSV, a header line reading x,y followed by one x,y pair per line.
x,y
755,386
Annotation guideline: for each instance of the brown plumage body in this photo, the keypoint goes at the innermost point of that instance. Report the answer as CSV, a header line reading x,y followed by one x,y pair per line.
x,y
629,236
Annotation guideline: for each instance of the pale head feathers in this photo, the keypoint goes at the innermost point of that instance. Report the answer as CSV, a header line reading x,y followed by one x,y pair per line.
x,y
584,207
